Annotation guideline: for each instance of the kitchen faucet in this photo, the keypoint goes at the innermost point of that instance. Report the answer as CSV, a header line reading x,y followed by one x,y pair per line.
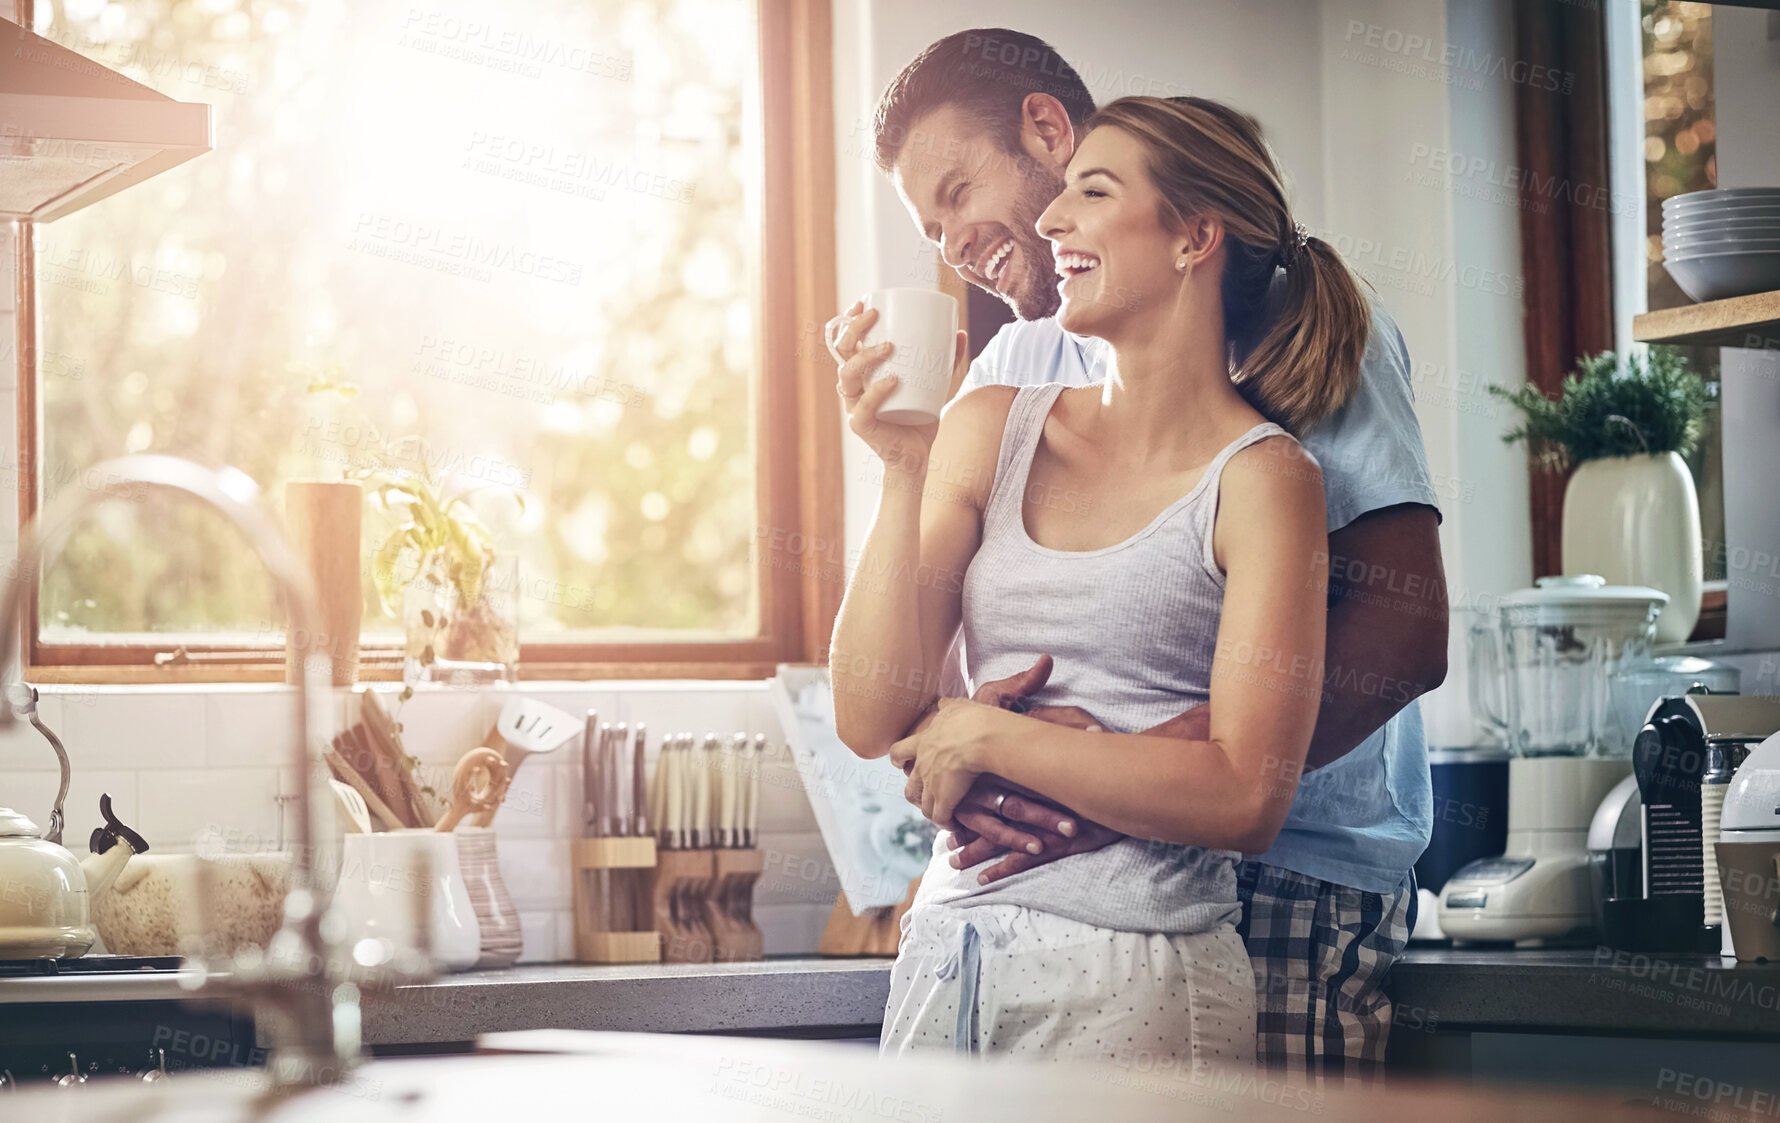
x,y
301,996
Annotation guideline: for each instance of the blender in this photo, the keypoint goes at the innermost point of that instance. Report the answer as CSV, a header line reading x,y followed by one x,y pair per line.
x,y
1542,663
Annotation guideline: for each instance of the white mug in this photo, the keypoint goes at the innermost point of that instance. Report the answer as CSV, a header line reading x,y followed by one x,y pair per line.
x,y
923,325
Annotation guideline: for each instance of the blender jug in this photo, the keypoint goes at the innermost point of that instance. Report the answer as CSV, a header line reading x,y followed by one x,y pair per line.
x,y
1542,662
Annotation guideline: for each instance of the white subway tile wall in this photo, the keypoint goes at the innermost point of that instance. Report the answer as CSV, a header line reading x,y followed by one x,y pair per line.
x,y
179,760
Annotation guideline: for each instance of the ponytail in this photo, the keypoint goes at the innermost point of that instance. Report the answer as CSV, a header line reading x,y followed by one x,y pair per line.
x,y
1205,156
1307,365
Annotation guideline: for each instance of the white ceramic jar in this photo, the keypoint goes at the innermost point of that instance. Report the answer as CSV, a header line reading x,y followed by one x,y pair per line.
x,y
1635,520
380,875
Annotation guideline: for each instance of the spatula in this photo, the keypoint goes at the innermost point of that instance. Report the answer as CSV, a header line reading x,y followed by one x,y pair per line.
x,y
358,816
526,728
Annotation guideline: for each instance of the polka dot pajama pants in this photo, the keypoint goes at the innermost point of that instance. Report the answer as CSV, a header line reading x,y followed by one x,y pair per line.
x,y
1012,981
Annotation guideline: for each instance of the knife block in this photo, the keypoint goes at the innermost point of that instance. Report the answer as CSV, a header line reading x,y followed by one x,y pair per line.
x,y
604,921
679,897
734,935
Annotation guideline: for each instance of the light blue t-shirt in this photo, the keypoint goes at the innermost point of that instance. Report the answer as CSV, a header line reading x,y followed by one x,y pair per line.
x,y
1365,819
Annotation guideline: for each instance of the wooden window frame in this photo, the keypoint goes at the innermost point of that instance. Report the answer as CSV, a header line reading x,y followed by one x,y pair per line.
x,y
796,425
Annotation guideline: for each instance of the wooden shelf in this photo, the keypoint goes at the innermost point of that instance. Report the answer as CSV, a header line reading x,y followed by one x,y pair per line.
x,y
1741,321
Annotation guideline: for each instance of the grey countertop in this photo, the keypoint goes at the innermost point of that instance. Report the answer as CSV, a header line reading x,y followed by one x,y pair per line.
x,y
1578,991
834,997
1584,990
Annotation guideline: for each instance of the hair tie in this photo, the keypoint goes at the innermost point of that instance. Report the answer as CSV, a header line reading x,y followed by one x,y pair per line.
x,y
1293,252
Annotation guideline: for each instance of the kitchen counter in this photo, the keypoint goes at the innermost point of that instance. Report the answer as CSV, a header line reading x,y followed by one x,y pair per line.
x,y
645,1077
813,996
1585,990
809,996
1436,990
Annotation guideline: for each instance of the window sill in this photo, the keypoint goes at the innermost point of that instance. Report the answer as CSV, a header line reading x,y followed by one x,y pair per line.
x,y
267,674
79,692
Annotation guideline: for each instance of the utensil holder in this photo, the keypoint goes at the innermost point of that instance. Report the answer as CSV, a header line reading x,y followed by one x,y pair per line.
x,y
730,908
678,898
612,878
496,917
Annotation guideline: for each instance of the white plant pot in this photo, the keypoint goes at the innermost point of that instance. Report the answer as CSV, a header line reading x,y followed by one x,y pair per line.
x,y
1635,520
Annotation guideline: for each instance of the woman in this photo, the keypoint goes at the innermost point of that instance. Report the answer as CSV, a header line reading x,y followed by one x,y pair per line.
x,y
1197,573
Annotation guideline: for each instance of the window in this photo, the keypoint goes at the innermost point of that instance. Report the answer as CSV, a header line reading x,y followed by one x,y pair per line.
x,y
547,249
1679,157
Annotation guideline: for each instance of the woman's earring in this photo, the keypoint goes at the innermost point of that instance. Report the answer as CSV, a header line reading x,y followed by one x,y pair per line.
x,y
1181,265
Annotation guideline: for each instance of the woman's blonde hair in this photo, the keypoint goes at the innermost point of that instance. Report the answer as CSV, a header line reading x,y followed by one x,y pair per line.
x,y
1204,156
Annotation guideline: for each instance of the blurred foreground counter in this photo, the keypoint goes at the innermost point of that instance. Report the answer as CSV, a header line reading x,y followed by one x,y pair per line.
x,y
541,1075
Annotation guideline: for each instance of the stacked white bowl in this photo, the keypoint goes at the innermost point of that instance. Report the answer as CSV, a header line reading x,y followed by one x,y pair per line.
x,y
1718,244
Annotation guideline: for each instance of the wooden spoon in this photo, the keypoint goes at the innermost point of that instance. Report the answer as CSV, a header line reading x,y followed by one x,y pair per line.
x,y
476,786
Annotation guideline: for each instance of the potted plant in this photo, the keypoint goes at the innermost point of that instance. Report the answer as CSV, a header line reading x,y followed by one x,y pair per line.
x,y
1620,428
453,608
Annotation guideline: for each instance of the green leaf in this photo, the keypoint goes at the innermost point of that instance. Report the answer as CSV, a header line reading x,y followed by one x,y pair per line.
x,y
383,567
1608,408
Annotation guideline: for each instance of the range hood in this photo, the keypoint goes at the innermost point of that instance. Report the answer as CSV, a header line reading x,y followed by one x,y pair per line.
x,y
73,131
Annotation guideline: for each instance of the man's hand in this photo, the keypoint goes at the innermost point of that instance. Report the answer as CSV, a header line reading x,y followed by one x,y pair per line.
x,y
1031,830
998,817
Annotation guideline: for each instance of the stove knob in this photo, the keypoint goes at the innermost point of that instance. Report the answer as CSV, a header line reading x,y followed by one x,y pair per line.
x,y
73,1078
156,1072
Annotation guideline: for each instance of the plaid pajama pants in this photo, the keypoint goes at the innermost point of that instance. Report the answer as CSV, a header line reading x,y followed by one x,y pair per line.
x,y
1320,953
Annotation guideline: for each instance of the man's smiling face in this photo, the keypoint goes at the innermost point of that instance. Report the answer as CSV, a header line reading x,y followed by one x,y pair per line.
x,y
979,204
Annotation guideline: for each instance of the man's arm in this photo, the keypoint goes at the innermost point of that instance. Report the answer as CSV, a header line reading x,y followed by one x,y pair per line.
x,y
1387,630
1386,646
1387,625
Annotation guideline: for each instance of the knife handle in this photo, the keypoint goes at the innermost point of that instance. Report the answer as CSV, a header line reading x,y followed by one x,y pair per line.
x,y
639,797
589,776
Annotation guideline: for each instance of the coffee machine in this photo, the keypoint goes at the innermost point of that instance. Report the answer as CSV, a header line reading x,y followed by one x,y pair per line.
x,y
1685,759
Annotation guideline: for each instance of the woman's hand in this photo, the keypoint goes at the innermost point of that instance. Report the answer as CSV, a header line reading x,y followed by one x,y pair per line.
x,y
944,759
903,448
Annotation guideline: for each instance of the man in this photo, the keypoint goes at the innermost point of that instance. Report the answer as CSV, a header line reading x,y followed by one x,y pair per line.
x,y
976,132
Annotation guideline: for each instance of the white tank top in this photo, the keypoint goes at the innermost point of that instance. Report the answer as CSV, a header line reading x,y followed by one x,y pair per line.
x,y
1132,628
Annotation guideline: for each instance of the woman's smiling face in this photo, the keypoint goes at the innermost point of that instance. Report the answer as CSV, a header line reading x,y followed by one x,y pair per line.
x,y
1114,256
